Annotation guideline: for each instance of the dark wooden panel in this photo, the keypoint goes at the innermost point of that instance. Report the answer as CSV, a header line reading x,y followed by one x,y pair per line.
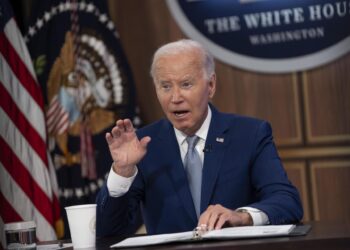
x,y
297,175
314,152
271,97
143,26
327,102
330,190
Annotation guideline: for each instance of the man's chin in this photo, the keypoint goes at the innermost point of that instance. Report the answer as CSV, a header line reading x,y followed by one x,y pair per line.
x,y
181,127
185,129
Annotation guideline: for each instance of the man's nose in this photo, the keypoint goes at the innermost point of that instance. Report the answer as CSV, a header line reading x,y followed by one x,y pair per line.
x,y
176,95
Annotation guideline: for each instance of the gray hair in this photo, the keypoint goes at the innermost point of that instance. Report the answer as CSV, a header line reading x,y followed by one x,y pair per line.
x,y
184,45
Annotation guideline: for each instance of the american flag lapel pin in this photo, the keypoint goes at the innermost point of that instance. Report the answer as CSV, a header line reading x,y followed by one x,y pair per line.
x,y
220,139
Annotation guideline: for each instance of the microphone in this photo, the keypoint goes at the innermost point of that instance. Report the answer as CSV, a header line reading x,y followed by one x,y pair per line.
x,y
207,148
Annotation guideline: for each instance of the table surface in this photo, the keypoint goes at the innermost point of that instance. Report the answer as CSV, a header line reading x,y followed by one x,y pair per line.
x,y
323,235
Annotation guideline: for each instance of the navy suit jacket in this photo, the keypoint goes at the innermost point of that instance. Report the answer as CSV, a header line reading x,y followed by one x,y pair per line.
x,y
241,168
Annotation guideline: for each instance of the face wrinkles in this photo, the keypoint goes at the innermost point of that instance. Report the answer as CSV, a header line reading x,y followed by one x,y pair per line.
x,y
175,72
183,90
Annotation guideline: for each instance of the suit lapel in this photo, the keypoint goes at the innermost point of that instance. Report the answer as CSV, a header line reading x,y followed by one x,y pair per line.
x,y
216,143
177,171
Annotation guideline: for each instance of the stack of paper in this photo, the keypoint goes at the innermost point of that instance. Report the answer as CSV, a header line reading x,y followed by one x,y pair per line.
x,y
225,233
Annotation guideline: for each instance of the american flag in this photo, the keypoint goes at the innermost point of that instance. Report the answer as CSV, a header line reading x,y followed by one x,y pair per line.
x,y
27,177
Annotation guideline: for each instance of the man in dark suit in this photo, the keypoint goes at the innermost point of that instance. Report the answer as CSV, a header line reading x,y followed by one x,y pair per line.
x,y
198,167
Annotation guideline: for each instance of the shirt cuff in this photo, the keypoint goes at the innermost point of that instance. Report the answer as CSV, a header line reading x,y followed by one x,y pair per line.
x,y
259,217
118,185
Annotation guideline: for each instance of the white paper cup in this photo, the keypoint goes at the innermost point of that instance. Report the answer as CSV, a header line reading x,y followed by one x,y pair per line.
x,y
82,225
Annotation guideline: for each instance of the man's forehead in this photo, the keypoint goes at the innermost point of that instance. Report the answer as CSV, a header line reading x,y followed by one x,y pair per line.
x,y
171,77
172,65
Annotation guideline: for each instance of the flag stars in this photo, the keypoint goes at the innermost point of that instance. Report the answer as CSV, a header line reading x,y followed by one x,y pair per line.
x,y
100,182
31,31
79,192
92,41
110,25
93,187
47,16
61,7
84,38
54,11
137,121
39,23
67,193
82,5
90,7
68,5
103,18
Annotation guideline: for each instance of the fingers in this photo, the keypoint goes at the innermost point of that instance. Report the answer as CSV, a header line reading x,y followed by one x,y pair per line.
x,y
125,125
128,125
210,216
121,127
144,141
222,220
115,133
109,138
216,216
212,220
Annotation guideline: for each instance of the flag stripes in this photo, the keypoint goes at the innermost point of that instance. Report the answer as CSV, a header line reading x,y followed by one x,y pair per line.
x,y
20,69
6,209
25,181
16,86
57,118
24,126
21,203
23,150
28,185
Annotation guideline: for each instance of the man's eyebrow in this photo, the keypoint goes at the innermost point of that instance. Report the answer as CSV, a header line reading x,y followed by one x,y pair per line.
x,y
187,78
163,81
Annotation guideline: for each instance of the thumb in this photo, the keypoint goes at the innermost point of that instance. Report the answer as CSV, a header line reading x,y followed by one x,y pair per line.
x,y
144,141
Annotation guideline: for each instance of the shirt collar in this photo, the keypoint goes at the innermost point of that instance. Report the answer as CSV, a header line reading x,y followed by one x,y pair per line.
x,y
202,132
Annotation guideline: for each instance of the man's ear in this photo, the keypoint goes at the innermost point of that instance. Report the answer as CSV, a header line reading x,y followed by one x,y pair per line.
x,y
212,85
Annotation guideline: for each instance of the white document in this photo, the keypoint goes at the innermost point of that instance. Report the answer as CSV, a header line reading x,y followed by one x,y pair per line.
x,y
225,233
53,246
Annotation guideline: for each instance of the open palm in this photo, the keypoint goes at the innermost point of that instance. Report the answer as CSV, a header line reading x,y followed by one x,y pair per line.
x,y
125,148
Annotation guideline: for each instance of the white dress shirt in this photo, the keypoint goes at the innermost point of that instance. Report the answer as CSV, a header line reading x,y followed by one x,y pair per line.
x,y
119,185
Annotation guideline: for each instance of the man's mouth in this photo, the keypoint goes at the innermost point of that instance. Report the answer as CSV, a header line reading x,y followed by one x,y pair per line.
x,y
180,113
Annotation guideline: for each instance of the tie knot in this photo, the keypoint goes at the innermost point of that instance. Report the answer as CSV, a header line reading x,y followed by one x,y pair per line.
x,y
192,141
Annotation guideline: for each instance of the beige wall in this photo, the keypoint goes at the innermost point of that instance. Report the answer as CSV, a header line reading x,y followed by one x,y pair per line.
x,y
309,111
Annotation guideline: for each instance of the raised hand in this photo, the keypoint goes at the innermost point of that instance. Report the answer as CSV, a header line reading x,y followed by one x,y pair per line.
x,y
125,148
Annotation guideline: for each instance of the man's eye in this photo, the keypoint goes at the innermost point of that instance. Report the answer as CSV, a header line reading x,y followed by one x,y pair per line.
x,y
166,86
186,85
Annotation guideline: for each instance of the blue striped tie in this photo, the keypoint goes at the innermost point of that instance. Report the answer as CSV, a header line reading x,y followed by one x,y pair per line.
x,y
193,167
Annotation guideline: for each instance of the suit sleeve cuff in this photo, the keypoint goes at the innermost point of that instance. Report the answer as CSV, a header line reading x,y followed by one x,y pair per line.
x,y
259,217
118,185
